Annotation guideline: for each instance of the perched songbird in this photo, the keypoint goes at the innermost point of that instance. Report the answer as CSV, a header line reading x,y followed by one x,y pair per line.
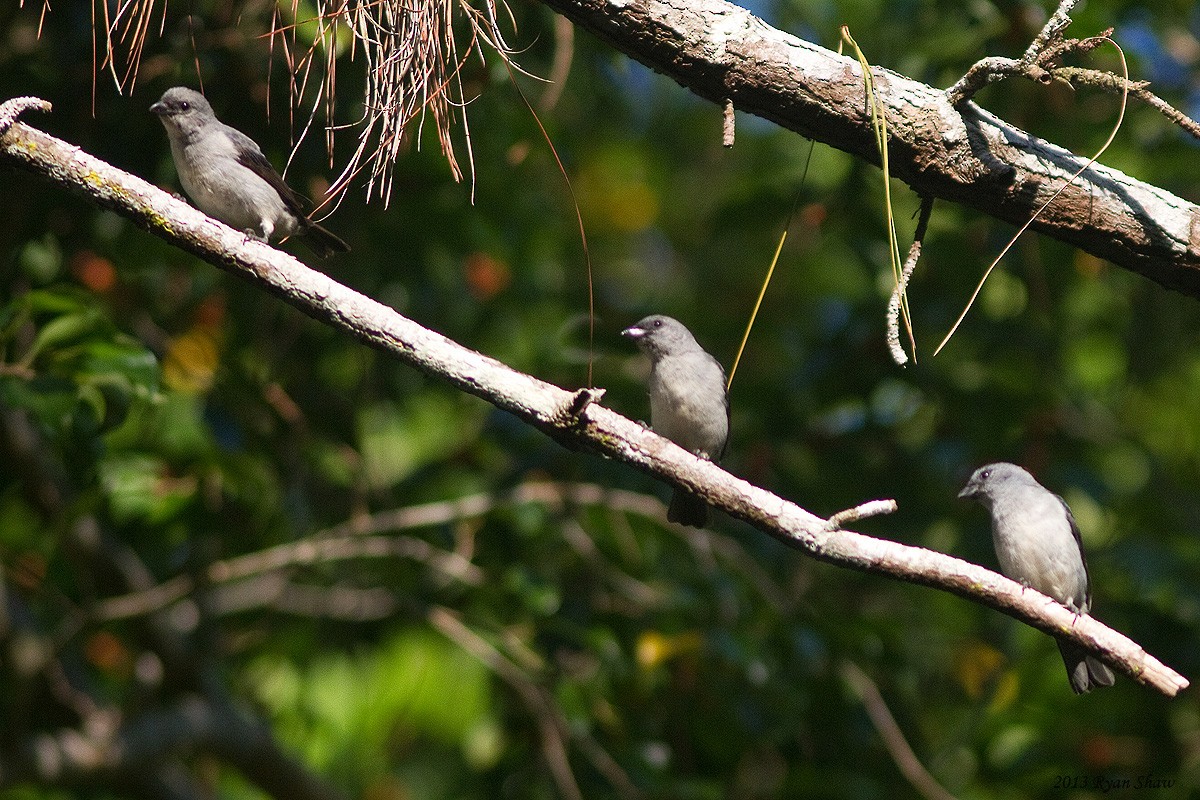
x,y
228,177
688,404
1038,545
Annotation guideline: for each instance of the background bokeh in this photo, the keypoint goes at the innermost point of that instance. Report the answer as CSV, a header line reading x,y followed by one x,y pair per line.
x,y
198,420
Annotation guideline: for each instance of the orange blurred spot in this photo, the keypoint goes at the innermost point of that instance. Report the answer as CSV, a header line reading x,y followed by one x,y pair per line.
x,y
94,271
318,188
1104,751
814,215
386,788
517,154
487,276
1088,265
28,570
211,311
105,651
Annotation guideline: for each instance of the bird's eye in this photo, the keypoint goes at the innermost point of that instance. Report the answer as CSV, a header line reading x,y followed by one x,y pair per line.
x,y
658,323
185,105
987,473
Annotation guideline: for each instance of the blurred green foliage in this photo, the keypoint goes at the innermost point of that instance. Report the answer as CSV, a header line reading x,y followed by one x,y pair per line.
x,y
200,421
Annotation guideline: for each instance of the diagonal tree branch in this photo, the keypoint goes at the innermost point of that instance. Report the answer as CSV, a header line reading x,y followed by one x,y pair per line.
x,y
573,418
721,51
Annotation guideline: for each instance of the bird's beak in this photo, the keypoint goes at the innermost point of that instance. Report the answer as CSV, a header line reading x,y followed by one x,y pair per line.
x,y
633,332
159,109
970,490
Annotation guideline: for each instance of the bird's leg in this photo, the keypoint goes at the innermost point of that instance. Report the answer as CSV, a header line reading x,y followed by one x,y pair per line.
x,y
250,233
265,229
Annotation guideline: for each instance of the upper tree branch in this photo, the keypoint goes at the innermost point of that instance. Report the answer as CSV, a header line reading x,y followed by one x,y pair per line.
x,y
557,412
965,154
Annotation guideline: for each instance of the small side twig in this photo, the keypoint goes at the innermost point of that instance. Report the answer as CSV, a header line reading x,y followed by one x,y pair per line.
x,y
1041,63
1051,31
871,508
11,109
1043,52
578,403
727,125
1116,84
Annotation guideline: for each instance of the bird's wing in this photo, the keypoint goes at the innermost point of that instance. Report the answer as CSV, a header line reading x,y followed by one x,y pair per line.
x,y
252,158
725,397
1079,544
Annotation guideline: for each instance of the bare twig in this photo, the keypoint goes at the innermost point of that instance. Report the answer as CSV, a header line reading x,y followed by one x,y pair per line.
x,y
556,733
1040,63
1117,84
11,109
292,554
872,508
560,68
276,592
1051,32
1048,46
893,738
254,580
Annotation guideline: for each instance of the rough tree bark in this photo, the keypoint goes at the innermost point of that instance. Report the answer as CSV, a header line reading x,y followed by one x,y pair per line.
x,y
576,419
722,52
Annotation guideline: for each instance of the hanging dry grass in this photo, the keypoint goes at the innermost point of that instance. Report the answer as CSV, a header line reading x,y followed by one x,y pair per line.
x,y
410,53
413,66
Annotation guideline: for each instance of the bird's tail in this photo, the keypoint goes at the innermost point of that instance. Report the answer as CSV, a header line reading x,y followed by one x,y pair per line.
x,y
1085,672
688,509
322,241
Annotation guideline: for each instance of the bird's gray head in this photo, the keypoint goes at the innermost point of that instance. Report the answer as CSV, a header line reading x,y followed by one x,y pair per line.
x,y
992,479
660,335
182,108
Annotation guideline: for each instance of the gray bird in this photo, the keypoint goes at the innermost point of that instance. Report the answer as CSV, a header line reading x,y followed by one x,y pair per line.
x,y
228,177
688,404
1038,545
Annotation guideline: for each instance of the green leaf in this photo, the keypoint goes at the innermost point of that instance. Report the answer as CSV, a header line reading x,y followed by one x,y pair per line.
x,y
398,440
61,330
